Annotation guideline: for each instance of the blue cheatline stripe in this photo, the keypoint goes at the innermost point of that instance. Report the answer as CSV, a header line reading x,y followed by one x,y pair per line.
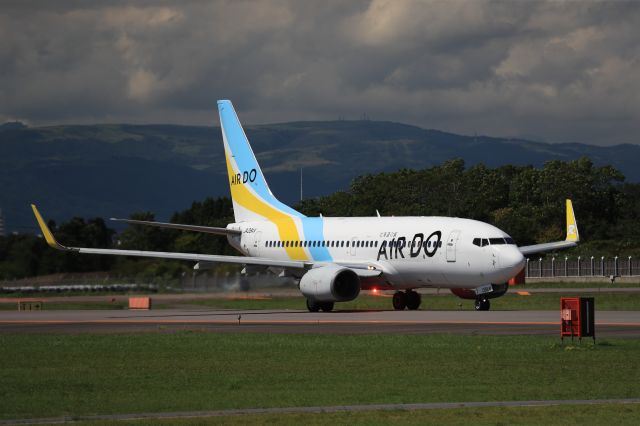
x,y
244,157
314,231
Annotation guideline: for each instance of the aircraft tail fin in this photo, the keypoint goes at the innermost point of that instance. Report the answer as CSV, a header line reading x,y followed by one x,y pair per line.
x,y
252,198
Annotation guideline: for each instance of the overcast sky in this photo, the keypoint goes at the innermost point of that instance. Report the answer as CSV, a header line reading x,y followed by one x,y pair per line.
x,y
553,71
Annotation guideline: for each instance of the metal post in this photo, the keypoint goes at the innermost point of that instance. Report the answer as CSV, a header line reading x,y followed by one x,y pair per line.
x,y
592,267
553,266
566,270
630,271
579,272
529,273
540,267
615,266
602,265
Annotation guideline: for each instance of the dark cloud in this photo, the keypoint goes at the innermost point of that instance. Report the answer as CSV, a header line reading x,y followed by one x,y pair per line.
x,y
558,71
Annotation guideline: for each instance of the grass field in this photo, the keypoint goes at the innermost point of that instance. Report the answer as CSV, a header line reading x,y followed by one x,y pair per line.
x,y
445,301
622,414
52,375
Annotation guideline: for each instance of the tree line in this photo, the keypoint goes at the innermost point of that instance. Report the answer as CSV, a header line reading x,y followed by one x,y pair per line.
x,y
526,202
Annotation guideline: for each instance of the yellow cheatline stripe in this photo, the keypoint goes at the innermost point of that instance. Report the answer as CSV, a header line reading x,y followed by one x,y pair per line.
x,y
572,227
286,226
48,236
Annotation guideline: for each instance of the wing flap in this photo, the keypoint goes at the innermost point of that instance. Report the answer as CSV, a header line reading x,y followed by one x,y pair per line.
x,y
209,258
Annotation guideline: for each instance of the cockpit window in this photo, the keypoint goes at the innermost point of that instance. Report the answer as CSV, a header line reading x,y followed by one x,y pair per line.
x,y
482,242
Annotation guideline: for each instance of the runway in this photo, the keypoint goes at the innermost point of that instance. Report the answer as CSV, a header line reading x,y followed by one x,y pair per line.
x,y
608,323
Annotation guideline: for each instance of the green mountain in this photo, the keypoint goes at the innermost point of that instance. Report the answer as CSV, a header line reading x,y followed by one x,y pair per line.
x,y
114,170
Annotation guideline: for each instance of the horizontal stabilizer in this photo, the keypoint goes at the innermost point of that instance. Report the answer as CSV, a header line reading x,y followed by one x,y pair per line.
x,y
194,228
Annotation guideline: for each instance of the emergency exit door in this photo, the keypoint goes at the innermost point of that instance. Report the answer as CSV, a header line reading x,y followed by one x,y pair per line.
x,y
452,242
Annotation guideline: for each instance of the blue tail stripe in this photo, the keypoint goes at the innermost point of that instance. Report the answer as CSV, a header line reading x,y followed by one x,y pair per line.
x,y
244,157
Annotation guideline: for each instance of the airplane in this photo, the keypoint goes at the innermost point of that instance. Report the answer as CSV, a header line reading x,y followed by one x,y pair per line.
x,y
334,258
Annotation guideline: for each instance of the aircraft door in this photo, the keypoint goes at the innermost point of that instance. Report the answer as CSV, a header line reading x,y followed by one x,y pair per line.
x,y
452,241
354,240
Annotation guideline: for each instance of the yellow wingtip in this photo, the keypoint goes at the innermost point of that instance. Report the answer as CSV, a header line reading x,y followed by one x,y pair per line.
x,y
572,226
46,232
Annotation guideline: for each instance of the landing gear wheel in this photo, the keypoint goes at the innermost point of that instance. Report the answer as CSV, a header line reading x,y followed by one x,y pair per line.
x,y
326,306
482,305
313,306
399,301
413,300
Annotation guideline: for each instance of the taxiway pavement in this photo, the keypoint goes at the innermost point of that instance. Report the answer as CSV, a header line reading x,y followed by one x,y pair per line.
x,y
608,323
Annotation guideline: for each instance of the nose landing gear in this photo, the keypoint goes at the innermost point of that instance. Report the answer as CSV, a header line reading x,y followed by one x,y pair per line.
x,y
409,299
482,304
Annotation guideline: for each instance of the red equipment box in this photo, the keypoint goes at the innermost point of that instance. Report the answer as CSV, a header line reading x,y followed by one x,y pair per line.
x,y
577,317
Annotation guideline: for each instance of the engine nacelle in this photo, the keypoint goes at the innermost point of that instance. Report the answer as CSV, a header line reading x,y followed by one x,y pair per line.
x,y
331,283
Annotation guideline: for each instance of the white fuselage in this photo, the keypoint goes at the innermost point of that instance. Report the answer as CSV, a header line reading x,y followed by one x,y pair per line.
x,y
413,252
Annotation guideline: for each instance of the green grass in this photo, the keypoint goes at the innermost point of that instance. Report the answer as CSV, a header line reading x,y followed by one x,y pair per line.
x,y
620,414
510,301
444,301
52,375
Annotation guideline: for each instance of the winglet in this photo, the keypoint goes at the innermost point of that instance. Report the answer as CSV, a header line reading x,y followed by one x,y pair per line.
x,y
572,226
48,236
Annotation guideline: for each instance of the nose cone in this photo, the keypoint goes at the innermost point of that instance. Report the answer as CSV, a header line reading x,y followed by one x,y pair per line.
x,y
512,259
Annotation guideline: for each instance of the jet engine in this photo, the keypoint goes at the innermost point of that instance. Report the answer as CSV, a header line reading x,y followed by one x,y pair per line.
x,y
331,283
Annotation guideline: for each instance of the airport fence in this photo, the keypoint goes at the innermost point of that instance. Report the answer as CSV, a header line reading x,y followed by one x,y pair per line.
x,y
582,267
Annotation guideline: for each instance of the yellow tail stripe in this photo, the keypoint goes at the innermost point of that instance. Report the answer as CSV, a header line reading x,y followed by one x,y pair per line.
x,y
286,226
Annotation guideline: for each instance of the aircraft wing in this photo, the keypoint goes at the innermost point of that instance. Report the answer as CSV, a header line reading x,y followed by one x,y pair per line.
x,y
195,228
572,239
244,260
363,269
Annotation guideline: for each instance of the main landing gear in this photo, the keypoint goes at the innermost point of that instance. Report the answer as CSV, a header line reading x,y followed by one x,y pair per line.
x,y
409,299
482,304
315,306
